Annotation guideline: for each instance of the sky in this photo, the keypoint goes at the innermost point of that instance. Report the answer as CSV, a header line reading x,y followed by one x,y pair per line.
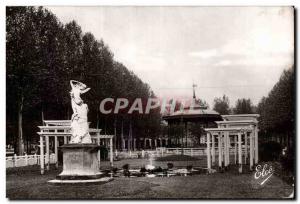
x,y
237,51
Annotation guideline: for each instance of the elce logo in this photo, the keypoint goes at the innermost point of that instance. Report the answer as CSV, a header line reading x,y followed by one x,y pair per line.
x,y
263,173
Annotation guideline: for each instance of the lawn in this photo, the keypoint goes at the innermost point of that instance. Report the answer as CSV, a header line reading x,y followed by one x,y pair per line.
x,y
27,183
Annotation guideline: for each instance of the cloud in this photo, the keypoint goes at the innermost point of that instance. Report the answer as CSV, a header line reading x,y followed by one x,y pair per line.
x,y
223,63
204,54
217,47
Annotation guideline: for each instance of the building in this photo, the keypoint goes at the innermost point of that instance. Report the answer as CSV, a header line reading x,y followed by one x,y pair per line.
x,y
186,126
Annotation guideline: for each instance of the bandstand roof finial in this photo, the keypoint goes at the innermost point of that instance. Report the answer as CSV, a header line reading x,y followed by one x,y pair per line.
x,y
194,94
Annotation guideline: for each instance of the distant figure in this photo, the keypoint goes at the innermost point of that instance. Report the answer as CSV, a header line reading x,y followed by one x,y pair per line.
x,y
79,123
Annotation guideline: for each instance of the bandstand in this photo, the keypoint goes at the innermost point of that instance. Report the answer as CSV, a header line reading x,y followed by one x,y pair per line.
x,y
54,129
194,113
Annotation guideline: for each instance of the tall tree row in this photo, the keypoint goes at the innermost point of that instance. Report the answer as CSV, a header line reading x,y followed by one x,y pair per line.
x,y
42,56
277,110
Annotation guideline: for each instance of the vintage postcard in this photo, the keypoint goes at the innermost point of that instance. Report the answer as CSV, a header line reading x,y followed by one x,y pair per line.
x,y
150,102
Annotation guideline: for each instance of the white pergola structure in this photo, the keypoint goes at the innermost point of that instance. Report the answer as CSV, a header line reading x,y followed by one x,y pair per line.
x,y
62,128
237,130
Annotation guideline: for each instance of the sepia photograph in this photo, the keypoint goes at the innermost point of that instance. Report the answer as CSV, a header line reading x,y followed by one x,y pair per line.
x,y
150,102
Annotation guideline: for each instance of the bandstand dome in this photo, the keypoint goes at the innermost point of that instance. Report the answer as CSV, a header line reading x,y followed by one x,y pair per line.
x,y
194,113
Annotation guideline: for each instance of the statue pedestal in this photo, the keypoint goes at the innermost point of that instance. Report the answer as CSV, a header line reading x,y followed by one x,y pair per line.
x,y
80,164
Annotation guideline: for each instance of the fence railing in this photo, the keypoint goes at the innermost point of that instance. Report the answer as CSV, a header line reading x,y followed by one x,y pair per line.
x,y
26,160
162,151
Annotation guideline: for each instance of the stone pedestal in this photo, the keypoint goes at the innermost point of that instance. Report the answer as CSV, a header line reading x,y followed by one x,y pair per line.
x,y
80,164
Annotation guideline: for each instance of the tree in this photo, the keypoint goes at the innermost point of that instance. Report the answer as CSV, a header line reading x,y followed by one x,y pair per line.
x,y
277,110
43,55
202,102
243,106
32,55
221,105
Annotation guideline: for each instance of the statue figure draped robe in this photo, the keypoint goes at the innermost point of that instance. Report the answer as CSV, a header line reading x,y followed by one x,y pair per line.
x,y
79,122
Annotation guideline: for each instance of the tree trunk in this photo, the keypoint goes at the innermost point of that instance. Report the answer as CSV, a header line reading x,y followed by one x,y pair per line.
x,y
97,120
122,136
43,115
105,125
130,136
115,133
20,130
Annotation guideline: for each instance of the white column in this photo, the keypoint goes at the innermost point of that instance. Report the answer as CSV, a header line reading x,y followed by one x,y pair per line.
x,y
227,135
150,143
56,151
225,149
134,144
240,151
220,149
208,152
128,144
251,150
47,153
143,153
42,155
235,149
123,144
35,159
26,159
213,149
111,152
256,144
246,147
228,148
145,143
98,156
155,142
65,140
15,160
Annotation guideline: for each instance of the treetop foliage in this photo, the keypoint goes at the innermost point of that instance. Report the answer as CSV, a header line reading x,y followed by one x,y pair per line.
x,y
43,55
277,110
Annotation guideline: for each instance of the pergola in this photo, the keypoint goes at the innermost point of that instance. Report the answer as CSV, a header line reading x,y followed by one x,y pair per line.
x,y
229,131
62,128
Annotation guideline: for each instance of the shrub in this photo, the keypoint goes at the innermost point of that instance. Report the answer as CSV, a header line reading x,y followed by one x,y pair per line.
x,y
125,167
287,161
114,170
170,165
139,155
126,171
143,170
189,167
269,151
159,169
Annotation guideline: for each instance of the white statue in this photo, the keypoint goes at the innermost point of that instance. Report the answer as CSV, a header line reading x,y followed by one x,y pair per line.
x,y
79,123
